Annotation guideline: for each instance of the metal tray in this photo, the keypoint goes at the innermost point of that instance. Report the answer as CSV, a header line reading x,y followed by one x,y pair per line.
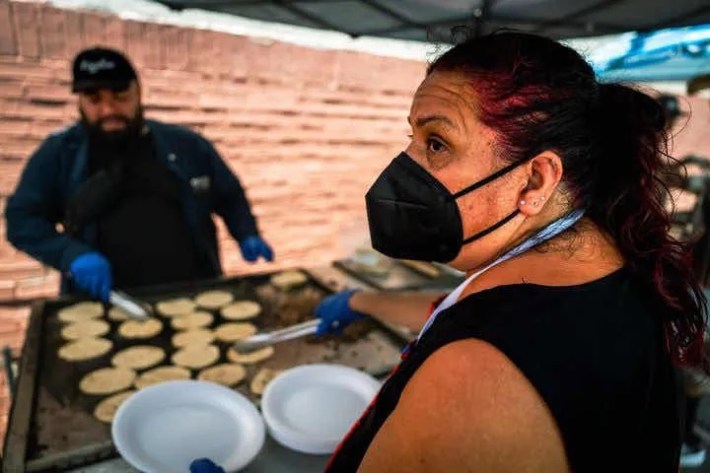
x,y
51,425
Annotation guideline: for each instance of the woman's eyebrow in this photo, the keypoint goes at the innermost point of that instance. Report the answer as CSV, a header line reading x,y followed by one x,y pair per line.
x,y
421,121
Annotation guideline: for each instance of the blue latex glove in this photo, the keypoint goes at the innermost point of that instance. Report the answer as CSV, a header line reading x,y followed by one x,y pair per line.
x,y
91,273
204,465
335,313
252,247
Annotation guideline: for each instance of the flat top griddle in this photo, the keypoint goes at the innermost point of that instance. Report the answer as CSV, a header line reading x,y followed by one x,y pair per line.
x,y
400,277
51,425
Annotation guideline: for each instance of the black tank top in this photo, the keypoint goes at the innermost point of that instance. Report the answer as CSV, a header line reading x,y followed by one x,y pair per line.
x,y
596,354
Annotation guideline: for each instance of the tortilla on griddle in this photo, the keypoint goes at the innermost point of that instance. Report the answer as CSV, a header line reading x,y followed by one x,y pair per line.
x,y
140,329
81,311
85,329
196,356
256,356
85,349
107,380
200,336
175,307
234,331
241,310
214,299
106,409
160,375
191,321
138,357
227,374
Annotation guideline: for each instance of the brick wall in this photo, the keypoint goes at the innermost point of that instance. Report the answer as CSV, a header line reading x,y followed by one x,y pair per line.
x,y
305,130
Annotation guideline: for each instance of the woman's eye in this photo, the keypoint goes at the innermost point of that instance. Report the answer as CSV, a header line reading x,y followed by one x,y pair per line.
x,y
436,146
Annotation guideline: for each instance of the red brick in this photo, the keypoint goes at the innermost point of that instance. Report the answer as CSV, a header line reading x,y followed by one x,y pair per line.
x,y
7,290
135,42
153,46
115,35
35,288
26,20
174,42
53,37
357,70
94,30
74,32
8,43
11,88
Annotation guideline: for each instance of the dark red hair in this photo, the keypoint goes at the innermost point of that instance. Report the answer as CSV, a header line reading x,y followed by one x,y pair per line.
x,y
537,95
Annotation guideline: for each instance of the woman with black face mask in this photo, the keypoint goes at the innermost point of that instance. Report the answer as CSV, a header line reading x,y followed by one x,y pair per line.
x,y
556,354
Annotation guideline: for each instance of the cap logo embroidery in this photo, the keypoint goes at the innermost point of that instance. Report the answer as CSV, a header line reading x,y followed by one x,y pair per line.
x,y
92,67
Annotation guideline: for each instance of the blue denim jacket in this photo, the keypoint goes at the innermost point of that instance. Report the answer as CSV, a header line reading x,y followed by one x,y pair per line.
x,y
59,167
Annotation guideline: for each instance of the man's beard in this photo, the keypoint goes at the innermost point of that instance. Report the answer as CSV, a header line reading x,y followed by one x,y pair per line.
x,y
115,141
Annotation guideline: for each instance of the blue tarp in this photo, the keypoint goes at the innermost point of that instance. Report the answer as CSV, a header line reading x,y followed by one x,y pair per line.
x,y
670,54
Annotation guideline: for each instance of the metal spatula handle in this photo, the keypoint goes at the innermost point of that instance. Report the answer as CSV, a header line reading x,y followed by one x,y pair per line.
x,y
261,340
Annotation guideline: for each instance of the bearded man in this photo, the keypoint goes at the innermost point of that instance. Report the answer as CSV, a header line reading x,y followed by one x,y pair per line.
x,y
116,200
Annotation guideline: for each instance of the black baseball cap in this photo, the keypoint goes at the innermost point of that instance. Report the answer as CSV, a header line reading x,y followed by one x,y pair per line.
x,y
101,68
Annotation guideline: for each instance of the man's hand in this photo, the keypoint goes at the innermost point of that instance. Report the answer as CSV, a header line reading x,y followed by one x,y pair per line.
x,y
91,273
254,247
335,313
204,465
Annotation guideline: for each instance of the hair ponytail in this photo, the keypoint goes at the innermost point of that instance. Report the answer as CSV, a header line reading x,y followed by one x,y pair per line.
x,y
537,95
630,204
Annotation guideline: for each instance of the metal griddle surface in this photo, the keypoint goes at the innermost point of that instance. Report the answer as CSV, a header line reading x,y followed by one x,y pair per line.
x,y
63,431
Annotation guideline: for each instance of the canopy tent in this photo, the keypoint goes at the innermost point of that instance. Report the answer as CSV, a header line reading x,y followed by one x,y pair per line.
x,y
665,55
433,20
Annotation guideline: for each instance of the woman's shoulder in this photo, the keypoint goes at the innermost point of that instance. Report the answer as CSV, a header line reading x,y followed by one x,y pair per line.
x,y
472,407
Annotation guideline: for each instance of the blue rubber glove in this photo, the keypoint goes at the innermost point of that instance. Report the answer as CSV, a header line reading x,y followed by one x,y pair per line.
x,y
335,313
204,465
252,247
91,273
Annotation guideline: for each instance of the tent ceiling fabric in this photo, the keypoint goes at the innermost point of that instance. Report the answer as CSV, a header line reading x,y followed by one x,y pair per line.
x,y
433,20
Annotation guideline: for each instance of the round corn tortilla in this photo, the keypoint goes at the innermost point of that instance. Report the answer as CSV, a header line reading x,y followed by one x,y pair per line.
x,y
196,356
250,358
85,329
192,321
214,299
199,336
107,380
139,357
234,331
261,379
241,310
85,349
175,307
147,328
227,374
106,409
288,279
81,311
160,375
117,314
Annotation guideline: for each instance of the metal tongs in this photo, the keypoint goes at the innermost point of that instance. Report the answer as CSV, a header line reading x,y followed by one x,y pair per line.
x,y
132,306
264,339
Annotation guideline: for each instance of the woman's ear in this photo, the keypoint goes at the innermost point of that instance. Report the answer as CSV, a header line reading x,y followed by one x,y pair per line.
x,y
544,175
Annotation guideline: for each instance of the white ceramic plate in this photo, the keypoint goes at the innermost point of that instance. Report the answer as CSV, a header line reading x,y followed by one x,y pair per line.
x,y
163,428
310,408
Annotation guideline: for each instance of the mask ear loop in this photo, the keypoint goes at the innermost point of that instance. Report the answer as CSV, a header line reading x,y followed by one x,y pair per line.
x,y
490,178
492,228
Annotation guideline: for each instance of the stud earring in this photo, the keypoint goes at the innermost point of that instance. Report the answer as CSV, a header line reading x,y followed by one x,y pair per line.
x,y
522,202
